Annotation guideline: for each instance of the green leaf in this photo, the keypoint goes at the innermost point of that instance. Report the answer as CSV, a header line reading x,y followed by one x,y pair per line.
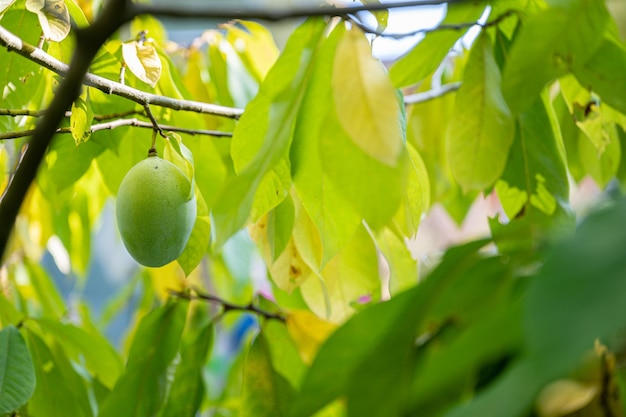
x,y
199,240
402,266
142,59
59,386
279,226
416,200
581,282
77,14
284,354
481,131
259,52
334,218
99,356
82,116
46,292
141,389
602,164
603,74
543,51
187,391
427,55
373,188
265,392
444,370
65,163
534,188
344,280
278,101
9,314
365,99
17,375
375,345
53,18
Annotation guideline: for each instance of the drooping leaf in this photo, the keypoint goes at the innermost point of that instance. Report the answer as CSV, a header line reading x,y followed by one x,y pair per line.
x,y
543,51
187,391
308,332
365,99
141,389
279,227
444,370
402,266
266,143
58,384
142,59
602,72
81,118
265,392
534,188
53,18
255,46
416,200
199,240
345,281
335,220
17,375
99,356
481,131
602,164
374,189
285,355
385,331
581,282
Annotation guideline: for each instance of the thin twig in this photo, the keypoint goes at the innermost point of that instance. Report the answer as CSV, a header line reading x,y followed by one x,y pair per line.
x,y
40,113
155,124
431,94
452,27
227,305
121,123
14,43
226,11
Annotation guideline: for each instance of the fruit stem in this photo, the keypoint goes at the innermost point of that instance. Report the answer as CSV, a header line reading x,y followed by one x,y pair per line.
x,y
152,151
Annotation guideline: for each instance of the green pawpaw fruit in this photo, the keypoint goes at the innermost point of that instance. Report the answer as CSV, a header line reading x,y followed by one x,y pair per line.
x,y
155,211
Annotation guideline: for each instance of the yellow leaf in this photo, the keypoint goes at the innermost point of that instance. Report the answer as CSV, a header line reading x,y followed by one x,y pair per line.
x,y
53,18
308,332
563,397
143,60
365,99
254,45
171,277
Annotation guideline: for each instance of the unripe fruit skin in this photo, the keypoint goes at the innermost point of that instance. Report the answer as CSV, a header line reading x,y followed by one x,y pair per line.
x,y
155,216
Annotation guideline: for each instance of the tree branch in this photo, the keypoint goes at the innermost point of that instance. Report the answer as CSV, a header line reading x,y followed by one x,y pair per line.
x,y
14,43
40,113
226,305
252,12
121,123
453,27
431,94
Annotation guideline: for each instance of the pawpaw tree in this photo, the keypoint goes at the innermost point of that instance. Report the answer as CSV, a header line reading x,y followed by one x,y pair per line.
x,y
269,199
